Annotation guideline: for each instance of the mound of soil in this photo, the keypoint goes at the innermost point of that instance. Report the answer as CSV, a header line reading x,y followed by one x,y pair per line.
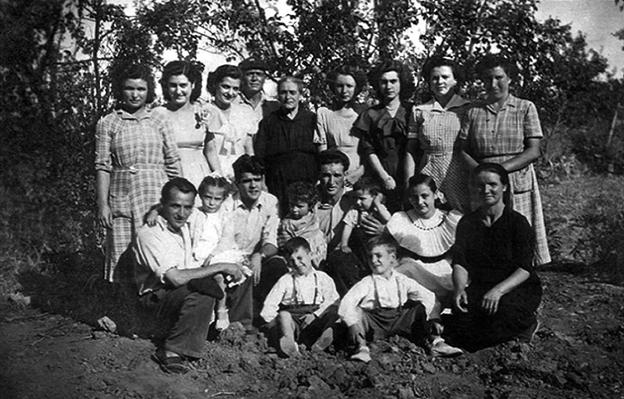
x,y
578,352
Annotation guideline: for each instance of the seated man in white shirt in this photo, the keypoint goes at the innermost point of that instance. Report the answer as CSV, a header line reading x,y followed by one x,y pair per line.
x,y
170,282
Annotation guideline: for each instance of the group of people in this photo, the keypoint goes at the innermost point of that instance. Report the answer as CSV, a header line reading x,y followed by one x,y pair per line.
x,y
262,212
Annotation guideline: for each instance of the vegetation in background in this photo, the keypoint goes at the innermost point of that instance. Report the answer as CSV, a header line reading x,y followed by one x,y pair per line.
x,y
57,57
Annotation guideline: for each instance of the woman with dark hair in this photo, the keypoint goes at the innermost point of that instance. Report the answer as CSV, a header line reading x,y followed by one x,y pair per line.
x,y
334,124
494,250
135,154
506,130
230,126
181,84
383,129
426,235
285,142
438,121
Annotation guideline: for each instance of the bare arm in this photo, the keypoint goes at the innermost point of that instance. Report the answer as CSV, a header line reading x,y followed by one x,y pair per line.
x,y
211,154
491,298
178,277
102,187
249,150
460,280
346,235
468,159
529,155
388,180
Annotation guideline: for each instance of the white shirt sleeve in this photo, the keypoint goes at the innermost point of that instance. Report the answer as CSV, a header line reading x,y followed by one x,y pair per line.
x,y
274,299
349,309
416,292
329,292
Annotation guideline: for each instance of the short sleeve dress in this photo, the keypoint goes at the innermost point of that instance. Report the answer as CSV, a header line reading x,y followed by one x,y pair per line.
x,y
385,136
288,150
436,134
496,136
335,128
230,129
490,255
189,135
140,154
426,251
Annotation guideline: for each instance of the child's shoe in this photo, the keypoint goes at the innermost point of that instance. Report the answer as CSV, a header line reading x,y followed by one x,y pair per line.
x,y
362,355
323,342
439,348
223,320
288,346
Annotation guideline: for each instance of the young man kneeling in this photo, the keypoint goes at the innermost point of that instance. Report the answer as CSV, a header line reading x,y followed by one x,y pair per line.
x,y
302,304
386,303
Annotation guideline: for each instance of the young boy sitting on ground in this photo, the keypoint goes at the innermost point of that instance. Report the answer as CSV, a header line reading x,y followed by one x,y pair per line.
x,y
302,304
385,303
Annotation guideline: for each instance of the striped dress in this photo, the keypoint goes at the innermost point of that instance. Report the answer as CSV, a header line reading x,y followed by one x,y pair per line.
x,y
140,153
496,136
436,131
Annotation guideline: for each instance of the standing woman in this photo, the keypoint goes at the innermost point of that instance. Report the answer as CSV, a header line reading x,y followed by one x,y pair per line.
x,y
383,129
494,250
506,130
231,126
335,124
438,123
285,142
135,154
181,86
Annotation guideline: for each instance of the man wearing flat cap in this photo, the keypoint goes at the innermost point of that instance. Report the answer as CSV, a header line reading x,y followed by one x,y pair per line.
x,y
252,93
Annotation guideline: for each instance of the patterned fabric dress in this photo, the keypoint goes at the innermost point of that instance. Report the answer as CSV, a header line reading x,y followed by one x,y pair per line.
x,y
498,136
436,132
230,129
139,152
189,136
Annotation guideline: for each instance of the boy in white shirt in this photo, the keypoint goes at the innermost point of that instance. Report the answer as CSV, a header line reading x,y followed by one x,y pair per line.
x,y
300,303
386,303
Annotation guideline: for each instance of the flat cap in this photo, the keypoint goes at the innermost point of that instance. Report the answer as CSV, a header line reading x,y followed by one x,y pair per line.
x,y
253,63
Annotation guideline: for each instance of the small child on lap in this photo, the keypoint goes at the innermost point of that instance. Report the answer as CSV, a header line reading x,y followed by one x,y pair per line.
x,y
386,302
302,304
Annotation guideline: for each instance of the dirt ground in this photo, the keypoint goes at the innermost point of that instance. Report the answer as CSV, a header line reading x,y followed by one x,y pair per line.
x,y
578,352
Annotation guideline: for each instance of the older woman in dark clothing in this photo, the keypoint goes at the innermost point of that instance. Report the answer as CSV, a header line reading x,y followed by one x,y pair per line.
x,y
493,251
285,142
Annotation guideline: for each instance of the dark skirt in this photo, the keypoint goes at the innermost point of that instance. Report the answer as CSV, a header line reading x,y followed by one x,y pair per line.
x,y
284,169
517,311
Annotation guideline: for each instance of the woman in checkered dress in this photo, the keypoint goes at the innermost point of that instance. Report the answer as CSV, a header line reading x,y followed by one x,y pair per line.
x,y
437,122
135,154
505,129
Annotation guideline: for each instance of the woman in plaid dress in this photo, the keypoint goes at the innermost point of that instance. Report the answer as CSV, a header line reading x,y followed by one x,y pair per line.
x,y
506,130
135,154
437,126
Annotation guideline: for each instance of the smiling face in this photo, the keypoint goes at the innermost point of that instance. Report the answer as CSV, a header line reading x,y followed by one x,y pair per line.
x,y
496,83
382,260
389,86
249,187
226,92
300,262
289,95
177,208
179,89
133,94
212,198
442,81
331,179
344,88
489,188
422,200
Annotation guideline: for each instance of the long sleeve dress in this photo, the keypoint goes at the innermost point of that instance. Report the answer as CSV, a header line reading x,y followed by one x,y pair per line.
x,y
436,135
496,136
287,148
140,154
490,255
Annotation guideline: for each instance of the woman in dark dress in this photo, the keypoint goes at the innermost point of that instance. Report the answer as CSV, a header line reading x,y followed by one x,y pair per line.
x,y
494,249
285,142
383,130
